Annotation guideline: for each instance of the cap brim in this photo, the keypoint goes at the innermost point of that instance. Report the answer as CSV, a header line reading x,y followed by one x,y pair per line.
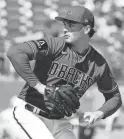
x,y
60,18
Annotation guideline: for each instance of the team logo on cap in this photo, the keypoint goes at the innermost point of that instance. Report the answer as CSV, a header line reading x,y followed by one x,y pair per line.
x,y
69,12
86,21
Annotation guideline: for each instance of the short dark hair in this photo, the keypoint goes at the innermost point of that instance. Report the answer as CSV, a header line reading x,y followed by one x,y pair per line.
x,y
91,33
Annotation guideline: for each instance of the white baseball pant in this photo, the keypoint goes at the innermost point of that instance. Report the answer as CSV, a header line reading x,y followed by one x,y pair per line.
x,y
37,127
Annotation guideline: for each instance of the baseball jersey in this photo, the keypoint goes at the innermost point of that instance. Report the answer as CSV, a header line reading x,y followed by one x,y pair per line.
x,y
57,63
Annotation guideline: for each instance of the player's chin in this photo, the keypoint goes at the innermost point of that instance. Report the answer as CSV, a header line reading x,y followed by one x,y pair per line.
x,y
69,40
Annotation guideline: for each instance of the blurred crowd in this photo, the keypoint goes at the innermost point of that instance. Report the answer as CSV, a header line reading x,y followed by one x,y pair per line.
x,y
23,20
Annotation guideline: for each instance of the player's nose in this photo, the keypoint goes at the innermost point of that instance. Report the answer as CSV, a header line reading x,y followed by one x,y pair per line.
x,y
65,30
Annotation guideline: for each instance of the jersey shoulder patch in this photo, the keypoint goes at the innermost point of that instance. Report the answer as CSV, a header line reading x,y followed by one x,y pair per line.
x,y
41,44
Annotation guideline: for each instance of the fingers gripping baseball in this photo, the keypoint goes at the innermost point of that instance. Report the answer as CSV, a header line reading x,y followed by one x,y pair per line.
x,y
91,117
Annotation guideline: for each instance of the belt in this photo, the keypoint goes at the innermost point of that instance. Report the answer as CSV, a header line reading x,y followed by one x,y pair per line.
x,y
45,113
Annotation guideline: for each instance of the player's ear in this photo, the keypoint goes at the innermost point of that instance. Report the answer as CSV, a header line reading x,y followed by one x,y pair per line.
x,y
87,29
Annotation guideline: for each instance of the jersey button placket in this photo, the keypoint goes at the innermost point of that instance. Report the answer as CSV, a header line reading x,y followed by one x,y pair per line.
x,y
74,59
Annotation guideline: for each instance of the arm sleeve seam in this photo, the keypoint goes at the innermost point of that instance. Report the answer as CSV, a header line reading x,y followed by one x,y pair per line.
x,y
33,48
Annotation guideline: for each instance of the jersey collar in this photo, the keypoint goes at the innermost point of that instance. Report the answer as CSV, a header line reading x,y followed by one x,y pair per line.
x,y
81,57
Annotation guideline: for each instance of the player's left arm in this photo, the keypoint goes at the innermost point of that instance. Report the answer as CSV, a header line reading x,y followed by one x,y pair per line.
x,y
109,88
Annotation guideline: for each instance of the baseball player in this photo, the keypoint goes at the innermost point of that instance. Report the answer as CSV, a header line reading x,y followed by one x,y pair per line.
x,y
65,68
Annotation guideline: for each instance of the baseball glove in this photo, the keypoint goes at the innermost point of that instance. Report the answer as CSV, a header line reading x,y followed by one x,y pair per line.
x,y
62,101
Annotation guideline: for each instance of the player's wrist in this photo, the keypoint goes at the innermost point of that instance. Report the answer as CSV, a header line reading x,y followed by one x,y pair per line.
x,y
40,88
101,114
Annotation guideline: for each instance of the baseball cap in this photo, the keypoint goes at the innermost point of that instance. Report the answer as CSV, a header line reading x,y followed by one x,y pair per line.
x,y
78,14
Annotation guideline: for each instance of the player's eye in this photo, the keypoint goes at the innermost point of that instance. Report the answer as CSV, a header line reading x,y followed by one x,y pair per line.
x,y
72,25
64,23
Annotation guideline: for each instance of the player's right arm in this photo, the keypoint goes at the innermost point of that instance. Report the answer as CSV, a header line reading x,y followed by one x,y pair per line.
x,y
20,56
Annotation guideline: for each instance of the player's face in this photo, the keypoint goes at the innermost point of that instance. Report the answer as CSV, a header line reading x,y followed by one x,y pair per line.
x,y
73,31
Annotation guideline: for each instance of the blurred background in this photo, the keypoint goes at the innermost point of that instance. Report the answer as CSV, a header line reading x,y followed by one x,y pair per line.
x,y
23,20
